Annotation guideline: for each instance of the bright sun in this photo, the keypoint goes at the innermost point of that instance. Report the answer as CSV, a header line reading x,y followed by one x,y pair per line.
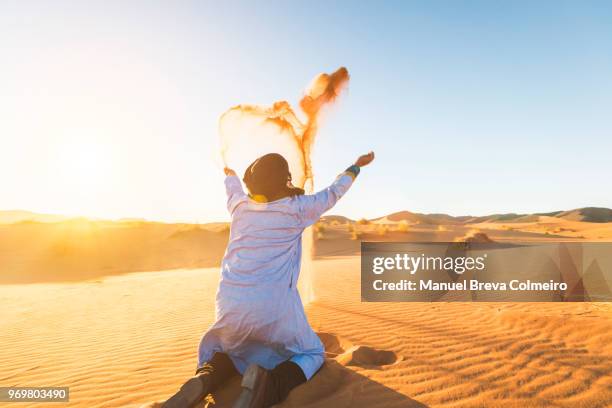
x,y
84,171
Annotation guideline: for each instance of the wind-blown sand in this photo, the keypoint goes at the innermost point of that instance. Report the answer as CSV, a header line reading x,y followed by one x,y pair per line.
x,y
130,340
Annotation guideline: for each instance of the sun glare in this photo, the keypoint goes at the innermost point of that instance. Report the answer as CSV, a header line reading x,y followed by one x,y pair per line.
x,y
84,172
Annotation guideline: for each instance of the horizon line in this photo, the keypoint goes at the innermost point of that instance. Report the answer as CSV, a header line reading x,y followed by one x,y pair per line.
x,y
63,217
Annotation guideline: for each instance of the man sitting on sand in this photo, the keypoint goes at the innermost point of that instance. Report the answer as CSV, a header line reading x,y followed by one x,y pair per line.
x,y
261,330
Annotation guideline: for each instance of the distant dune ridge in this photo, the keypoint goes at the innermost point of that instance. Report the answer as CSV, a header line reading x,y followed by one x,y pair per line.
x,y
586,214
49,248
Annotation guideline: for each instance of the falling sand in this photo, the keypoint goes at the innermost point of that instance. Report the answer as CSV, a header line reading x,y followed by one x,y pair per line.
x,y
250,131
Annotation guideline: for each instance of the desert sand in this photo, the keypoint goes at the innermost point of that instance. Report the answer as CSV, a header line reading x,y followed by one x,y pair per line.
x,y
130,340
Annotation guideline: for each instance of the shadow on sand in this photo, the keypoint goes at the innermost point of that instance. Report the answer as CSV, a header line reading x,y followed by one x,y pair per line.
x,y
334,386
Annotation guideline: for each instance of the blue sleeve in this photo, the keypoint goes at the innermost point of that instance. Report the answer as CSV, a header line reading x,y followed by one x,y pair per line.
x,y
312,206
235,194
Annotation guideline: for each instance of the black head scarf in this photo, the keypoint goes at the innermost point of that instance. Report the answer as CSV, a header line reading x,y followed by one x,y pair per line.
x,y
269,177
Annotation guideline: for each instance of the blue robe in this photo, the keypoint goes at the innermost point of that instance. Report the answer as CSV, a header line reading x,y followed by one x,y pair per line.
x,y
259,314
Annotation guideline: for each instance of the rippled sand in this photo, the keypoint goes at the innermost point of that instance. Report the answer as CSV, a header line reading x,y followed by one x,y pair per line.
x,y
131,340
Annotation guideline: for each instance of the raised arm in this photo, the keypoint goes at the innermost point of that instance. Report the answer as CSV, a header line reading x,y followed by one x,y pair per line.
x,y
313,206
233,188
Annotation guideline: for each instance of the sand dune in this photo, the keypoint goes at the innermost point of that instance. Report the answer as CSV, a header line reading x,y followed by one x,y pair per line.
x,y
485,354
80,249
130,340
75,249
585,214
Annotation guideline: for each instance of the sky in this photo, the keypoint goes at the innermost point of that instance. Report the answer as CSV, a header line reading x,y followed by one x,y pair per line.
x,y
110,109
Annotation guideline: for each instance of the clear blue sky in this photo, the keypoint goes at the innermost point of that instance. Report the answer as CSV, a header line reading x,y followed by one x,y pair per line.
x,y
472,107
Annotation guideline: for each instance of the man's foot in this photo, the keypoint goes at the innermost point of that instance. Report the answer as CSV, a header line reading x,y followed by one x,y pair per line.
x,y
254,382
190,393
